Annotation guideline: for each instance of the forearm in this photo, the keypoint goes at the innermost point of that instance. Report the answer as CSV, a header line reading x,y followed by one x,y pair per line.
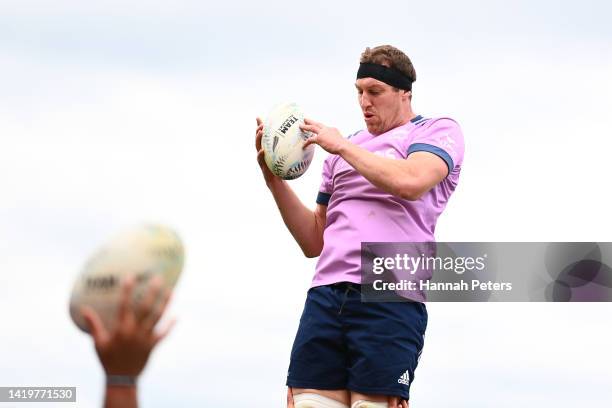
x,y
120,397
301,221
387,174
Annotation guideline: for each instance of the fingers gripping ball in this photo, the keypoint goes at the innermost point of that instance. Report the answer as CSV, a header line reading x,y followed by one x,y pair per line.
x,y
283,142
142,252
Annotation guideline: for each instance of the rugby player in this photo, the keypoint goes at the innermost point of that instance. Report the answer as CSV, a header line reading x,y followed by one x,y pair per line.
x,y
386,183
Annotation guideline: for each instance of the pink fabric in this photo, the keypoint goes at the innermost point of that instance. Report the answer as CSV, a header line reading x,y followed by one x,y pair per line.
x,y
360,212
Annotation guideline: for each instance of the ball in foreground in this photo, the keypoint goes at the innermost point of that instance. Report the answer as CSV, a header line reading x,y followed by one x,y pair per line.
x,y
283,142
142,252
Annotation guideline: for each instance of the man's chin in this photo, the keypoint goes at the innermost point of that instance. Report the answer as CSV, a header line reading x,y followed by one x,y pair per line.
x,y
373,129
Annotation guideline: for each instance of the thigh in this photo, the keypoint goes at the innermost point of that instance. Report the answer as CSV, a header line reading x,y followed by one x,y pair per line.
x,y
384,341
318,356
341,396
392,402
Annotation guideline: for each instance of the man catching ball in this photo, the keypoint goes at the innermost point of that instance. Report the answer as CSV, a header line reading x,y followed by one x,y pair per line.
x,y
388,183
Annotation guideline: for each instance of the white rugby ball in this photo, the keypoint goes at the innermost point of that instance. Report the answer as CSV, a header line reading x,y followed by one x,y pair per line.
x,y
142,252
283,142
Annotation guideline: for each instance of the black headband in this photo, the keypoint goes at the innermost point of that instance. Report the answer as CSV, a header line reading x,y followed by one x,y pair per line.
x,y
389,76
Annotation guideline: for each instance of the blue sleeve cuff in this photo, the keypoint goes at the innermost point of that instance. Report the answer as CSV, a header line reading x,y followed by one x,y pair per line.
x,y
424,147
323,198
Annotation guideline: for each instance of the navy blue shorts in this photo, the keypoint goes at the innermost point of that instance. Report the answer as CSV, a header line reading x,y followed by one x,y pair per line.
x,y
343,343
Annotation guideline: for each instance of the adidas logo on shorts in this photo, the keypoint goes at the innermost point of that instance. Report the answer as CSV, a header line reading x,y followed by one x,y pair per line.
x,y
404,379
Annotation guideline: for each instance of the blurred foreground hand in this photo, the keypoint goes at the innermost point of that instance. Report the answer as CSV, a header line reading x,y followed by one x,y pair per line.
x,y
125,350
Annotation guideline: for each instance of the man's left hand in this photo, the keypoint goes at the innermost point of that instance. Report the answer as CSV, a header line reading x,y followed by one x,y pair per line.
x,y
328,138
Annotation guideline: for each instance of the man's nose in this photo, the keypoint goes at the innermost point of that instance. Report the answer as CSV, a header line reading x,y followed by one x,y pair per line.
x,y
364,101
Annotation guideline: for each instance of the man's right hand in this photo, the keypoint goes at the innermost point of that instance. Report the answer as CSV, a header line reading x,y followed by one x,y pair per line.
x,y
305,225
268,175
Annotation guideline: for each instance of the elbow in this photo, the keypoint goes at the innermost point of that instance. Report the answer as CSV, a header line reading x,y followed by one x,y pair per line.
x,y
311,252
408,192
411,196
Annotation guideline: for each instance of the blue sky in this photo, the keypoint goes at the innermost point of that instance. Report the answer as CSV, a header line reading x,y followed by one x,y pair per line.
x,y
124,111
